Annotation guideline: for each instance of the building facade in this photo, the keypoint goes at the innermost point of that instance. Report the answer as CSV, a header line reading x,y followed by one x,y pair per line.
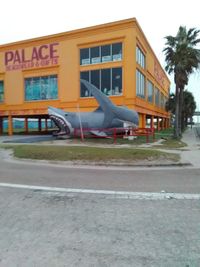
x,y
115,57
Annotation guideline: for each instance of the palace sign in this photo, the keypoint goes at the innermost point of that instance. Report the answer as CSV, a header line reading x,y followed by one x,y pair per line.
x,y
40,56
159,74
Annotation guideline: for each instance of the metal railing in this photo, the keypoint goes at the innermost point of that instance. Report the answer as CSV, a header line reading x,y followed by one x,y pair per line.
x,y
115,133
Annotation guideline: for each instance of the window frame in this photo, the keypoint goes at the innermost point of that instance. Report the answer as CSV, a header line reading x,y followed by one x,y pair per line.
x,y
109,90
110,58
157,97
140,84
51,88
3,92
140,57
150,86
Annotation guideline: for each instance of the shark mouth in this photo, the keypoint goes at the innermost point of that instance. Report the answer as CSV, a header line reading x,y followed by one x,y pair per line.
x,y
63,127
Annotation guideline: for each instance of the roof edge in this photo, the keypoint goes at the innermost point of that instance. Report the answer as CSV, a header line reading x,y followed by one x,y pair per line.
x,y
73,32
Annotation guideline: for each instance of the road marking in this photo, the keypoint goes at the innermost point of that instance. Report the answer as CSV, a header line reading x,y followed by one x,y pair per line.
x,y
116,194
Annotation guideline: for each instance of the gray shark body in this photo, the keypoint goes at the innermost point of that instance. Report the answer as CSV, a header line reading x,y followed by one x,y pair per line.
x,y
107,115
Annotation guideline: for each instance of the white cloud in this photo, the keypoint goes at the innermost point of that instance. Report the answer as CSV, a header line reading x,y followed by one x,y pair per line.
x,y
23,19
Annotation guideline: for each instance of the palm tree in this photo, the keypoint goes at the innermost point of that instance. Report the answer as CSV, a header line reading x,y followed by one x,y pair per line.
x,y
182,58
188,107
170,105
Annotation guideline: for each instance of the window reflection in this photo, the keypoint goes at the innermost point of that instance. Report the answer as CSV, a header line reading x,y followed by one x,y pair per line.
x,y
1,91
150,91
98,54
41,88
140,57
109,81
140,84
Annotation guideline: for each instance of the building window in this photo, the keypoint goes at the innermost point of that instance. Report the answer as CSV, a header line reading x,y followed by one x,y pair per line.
x,y
150,91
106,81
101,54
140,57
165,100
162,101
106,53
41,88
109,81
117,51
85,56
1,91
140,84
95,55
95,78
85,75
116,81
157,97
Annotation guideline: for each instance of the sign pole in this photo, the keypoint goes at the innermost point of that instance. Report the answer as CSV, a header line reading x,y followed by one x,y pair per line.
x,y
79,116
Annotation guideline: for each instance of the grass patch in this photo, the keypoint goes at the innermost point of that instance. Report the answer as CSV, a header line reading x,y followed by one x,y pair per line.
x,y
166,133
139,140
5,146
73,153
171,143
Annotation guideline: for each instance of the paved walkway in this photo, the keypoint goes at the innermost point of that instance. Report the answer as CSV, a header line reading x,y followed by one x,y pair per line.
x,y
192,155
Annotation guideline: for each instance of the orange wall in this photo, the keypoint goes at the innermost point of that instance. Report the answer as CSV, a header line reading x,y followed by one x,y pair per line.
x,y
68,69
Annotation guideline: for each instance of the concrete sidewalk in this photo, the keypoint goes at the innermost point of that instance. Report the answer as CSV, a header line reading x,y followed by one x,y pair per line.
x,y
192,155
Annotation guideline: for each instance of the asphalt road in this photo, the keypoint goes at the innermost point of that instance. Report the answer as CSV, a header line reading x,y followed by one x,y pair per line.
x,y
181,180
46,228
41,228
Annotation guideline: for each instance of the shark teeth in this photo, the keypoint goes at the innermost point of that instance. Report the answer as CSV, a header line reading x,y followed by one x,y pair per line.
x,y
61,124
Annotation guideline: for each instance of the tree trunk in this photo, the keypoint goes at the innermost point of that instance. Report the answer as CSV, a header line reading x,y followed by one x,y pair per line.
x,y
180,120
186,121
176,122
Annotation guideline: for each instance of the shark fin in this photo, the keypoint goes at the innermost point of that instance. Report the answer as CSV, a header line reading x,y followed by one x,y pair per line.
x,y
98,109
105,103
102,99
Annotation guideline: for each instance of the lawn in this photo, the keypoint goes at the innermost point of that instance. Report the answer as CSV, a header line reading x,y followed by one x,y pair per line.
x,y
85,153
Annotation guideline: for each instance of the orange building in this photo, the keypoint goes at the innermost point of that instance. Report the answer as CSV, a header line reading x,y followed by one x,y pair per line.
x,y
116,57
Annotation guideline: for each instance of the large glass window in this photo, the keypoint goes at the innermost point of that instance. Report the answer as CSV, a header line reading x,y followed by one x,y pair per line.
x,y
95,55
98,54
109,81
85,56
150,91
1,91
157,97
85,75
95,78
117,51
162,101
117,81
41,88
165,100
140,84
106,81
140,57
106,53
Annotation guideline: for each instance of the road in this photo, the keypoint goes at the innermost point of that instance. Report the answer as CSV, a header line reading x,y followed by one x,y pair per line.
x,y
41,228
47,228
181,180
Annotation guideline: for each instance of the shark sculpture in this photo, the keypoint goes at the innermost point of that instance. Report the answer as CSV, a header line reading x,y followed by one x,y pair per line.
x,y
107,115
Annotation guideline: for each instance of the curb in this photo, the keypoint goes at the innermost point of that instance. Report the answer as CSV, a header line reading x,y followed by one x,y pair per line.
x,y
77,164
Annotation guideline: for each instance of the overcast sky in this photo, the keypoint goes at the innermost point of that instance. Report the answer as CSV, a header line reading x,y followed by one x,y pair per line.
x,y
24,19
